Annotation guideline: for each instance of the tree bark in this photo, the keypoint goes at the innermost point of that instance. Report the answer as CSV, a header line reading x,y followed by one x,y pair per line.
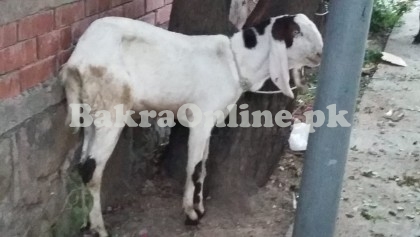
x,y
270,8
200,17
240,159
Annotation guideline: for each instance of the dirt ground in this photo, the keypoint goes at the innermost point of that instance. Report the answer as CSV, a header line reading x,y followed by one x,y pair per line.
x,y
155,210
381,193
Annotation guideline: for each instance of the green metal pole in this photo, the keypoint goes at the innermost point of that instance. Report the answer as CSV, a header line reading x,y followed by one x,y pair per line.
x,y
346,34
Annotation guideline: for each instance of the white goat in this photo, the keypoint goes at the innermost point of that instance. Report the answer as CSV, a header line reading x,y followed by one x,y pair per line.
x,y
123,61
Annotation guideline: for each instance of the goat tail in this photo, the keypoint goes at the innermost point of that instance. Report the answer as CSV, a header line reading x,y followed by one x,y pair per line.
x,y
71,79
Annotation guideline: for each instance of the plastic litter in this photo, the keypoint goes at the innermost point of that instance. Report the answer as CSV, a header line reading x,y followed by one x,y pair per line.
x,y
298,139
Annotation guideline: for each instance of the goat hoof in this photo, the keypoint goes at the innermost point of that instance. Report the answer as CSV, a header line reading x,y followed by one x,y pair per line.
x,y
200,214
86,231
89,233
189,221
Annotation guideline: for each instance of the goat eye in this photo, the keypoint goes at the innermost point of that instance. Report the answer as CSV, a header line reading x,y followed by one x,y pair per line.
x,y
296,32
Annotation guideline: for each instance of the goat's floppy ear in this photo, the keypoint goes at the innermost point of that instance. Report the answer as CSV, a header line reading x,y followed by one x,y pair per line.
x,y
279,67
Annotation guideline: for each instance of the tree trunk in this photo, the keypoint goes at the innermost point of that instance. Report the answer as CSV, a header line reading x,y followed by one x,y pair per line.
x,y
240,159
200,17
269,8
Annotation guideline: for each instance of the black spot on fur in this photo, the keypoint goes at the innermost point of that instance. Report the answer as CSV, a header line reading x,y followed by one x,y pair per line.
x,y
86,169
188,221
197,185
283,29
250,39
197,172
197,190
260,27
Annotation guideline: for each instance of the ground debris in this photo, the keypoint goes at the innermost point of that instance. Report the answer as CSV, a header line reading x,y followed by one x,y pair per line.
x,y
143,233
369,174
415,154
368,216
395,115
372,152
365,214
410,217
409,181
373,234
393,59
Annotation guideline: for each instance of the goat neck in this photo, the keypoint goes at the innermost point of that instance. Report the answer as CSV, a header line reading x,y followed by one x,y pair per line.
x,y
250,49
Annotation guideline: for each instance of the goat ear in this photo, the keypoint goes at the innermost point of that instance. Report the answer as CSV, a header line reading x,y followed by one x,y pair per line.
x,y
279,67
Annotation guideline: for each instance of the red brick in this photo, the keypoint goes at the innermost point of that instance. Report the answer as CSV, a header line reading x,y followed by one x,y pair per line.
x,y
80,27
115,3
163,14
36,73
8,34
149,18
154,4
70,13
118,11
168,1
135,9
37,24
64,56
9,85
18,55
48,44
96,6
65,38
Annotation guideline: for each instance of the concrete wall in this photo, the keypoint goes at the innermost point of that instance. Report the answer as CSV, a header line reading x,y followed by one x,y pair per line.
x,y
37,152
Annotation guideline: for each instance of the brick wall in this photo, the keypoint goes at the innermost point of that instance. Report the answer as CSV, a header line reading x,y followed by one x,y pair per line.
x,y
33,48
37,152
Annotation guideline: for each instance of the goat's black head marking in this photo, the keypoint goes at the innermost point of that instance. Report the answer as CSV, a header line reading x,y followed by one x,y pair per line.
x,y
250,38
284,29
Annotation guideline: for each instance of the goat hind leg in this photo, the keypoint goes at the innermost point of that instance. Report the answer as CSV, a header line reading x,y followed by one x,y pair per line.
x,y
89,133
92,169
199,185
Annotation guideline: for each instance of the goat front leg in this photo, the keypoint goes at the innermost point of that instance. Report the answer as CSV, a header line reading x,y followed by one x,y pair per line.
x,y
197,144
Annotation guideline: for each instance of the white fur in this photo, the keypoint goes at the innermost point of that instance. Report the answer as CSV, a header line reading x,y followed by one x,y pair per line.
x,y
148,68
239,12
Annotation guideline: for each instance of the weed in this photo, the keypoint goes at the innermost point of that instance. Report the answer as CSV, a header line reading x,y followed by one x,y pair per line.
x,y
372,56
75,208
386,13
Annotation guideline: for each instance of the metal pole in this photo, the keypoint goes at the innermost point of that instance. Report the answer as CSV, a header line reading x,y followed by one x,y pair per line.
x,y
345,41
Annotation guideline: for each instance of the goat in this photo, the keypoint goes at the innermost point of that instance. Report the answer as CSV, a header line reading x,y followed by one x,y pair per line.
x,y
123,61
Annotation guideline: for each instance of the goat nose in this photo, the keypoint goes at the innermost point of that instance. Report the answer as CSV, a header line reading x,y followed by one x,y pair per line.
x,y
319,55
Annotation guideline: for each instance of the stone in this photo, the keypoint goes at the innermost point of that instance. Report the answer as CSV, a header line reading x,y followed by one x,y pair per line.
x,y
16,110
6,166
40,229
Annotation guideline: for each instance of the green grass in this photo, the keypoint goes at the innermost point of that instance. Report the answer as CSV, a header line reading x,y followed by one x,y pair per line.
x,y
386,13
75,210
372,56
